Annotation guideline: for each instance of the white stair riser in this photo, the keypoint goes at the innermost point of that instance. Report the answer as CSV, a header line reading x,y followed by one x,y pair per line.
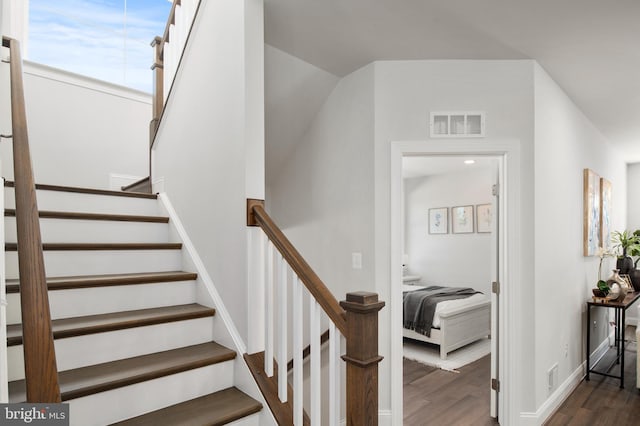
x,y
130,401
70,263
88,203
103,300
252,420
94,231
81,351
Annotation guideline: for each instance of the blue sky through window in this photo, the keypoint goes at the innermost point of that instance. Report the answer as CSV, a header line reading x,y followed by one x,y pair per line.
x,y
104,39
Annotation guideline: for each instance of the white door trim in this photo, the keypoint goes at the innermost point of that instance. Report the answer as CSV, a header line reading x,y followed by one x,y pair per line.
x,y
510,223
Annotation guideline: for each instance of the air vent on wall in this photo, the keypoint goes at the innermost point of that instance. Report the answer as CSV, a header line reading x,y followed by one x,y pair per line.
x,y
463,124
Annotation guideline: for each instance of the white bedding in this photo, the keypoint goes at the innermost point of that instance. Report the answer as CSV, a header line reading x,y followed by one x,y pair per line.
x,y
447,304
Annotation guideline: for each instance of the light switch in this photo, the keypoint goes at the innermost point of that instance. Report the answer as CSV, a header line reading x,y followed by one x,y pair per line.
x,y
356,260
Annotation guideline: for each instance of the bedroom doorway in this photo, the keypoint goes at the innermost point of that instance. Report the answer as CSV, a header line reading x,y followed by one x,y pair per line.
x,y
449,265
494,256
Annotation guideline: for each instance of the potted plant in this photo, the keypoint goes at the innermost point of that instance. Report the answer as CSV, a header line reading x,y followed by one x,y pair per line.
x,y
635,252
602,288
626,242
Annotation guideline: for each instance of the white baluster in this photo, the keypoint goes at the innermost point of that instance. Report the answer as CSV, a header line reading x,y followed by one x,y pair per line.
x,y
186,20
314,342
334,375
186,25
282,331
187,13
176,38
268,349
298,325
173,52
167,74
257,276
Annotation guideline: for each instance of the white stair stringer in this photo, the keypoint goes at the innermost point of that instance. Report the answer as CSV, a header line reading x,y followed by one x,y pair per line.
x,y
91,231
72,352
133,400
224,329
103,300
65,263
88,203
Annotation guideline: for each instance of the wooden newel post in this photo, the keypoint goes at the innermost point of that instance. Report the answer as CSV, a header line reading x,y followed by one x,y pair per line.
x,y
362,357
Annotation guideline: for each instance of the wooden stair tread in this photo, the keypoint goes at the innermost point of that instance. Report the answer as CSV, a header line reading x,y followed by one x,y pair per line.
x,y
47,214
100,246
89,281
89,380
78,326
80,190
218,408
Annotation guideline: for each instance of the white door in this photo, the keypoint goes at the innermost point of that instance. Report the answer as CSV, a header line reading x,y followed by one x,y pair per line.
x,y
495,294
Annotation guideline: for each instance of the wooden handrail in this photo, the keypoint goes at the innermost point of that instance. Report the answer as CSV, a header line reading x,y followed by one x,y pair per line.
x,y
356,318
309,278
41,375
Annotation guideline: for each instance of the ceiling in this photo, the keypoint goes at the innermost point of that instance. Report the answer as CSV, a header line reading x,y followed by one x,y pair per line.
x,y
421,166
590,47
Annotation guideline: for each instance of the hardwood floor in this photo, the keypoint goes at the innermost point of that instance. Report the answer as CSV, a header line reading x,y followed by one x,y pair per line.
x,y
600,401
437,397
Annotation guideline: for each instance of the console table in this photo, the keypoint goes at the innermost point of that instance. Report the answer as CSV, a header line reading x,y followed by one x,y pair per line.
x,y
620,312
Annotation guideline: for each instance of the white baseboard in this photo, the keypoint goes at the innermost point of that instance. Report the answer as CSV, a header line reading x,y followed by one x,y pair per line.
x,y
384,418
528,419
562,393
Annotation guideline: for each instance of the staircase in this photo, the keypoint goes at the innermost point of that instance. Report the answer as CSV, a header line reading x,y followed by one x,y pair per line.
x,y
132,330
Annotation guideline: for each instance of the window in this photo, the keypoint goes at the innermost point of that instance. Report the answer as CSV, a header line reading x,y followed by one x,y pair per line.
x,y
104,39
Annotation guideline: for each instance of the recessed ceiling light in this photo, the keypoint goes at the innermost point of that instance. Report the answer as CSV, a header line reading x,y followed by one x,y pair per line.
x,y
469,161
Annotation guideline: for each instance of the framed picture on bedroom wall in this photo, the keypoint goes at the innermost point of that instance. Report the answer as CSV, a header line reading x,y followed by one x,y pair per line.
x,y
483,218
462,220
439,220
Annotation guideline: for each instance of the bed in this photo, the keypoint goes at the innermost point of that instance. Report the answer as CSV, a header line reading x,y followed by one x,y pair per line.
x,y
456,323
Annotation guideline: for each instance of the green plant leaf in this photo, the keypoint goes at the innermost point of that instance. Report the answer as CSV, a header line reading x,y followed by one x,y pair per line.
x,y
604,287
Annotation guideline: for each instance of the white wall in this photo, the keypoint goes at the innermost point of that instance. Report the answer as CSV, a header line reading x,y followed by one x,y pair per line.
x,y
333,196
201,148
633,216
633,199
323,196
406,91
554,280
566,142
448,259
81,130
294,93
